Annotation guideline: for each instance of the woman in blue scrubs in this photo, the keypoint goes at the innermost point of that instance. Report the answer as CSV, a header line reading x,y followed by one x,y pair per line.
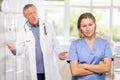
x,y
89,56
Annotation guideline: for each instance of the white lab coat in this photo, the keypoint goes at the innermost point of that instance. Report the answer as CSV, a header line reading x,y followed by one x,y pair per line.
x,y
50,48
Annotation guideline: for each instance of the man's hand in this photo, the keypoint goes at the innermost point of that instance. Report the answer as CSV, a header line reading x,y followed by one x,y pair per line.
x,y
63,55
11,46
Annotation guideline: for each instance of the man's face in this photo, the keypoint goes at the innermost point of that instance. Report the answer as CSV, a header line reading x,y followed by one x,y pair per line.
x,y
31,14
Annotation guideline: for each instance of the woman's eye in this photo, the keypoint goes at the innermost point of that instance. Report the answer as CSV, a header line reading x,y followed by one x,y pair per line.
x,y
84,26
90,24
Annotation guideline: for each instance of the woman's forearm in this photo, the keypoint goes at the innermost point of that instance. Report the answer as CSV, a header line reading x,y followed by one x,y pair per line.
x,y
78,70
99,68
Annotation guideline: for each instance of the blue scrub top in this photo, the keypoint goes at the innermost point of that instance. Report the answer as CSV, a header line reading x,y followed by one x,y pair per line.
x,y
80,51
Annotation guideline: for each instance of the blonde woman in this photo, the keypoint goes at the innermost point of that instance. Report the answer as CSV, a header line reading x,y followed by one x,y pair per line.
x,y
90,57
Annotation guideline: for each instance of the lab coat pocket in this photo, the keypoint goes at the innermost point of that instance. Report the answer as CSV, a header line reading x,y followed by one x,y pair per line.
x,y
28,42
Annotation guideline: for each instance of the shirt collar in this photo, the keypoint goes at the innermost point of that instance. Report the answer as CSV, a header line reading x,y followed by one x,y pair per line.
x,y
30,25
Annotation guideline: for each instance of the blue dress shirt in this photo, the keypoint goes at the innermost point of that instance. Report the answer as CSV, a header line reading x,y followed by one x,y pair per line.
x,y
39,54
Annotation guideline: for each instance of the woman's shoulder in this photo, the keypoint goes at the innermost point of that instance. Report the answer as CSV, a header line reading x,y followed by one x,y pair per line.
x,y
101,40
77,41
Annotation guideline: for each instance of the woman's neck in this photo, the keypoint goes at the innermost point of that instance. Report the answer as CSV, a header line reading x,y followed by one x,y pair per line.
x,y
90,42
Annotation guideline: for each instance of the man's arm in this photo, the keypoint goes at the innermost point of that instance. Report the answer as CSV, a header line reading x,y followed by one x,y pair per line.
x,y
12,48
56,45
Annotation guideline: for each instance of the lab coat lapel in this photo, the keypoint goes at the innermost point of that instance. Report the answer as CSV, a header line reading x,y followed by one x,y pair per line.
x,y
30,43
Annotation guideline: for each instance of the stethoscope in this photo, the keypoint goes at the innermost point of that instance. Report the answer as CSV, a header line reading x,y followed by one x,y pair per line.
x,y
45,31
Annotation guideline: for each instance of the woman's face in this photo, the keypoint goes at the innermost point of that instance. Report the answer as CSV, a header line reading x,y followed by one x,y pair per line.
x,y
88,27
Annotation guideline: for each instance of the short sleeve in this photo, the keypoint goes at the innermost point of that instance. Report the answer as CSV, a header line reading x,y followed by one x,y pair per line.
x,y
108,51
72,54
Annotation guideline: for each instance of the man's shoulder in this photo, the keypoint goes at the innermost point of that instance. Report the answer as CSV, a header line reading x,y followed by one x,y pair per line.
x,y
44,22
